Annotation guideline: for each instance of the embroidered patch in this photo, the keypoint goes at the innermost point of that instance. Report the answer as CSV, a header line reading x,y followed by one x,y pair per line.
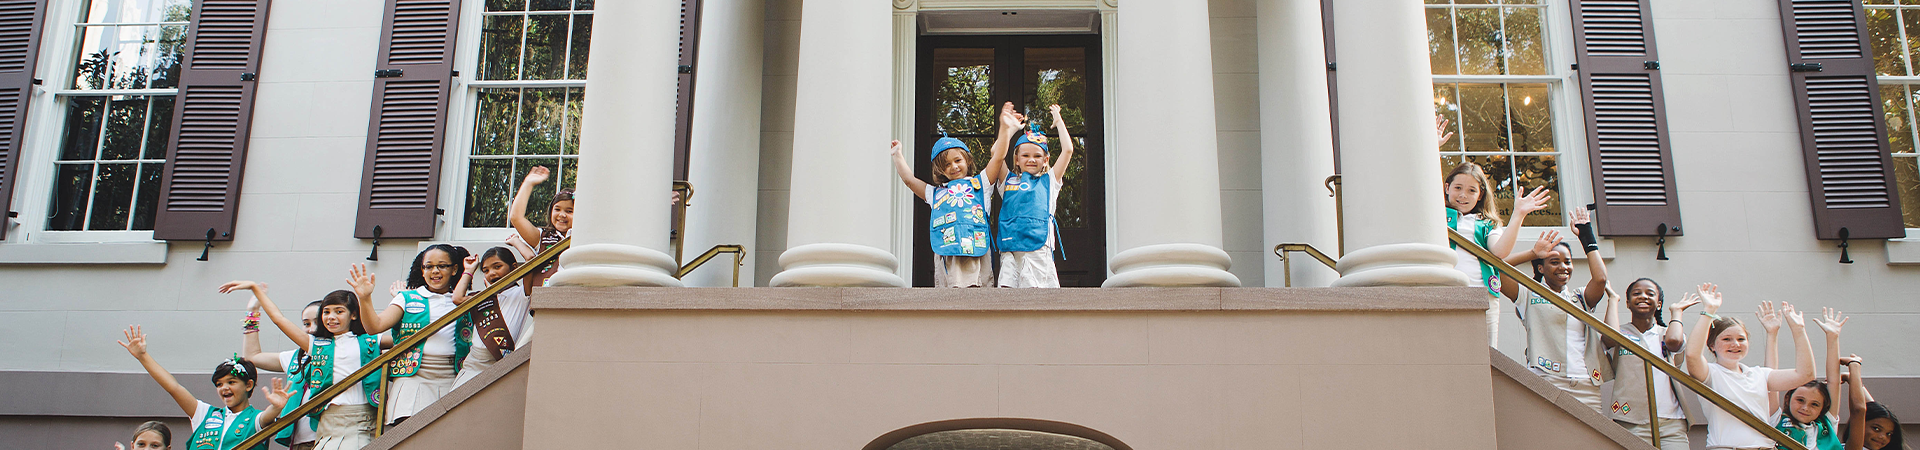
x,y
415,308
946,237
1596,374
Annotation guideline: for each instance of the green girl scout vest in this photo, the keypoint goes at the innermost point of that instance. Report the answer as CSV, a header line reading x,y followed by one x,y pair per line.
x,y
1482,228
1828,439
417,316
213,432
316,374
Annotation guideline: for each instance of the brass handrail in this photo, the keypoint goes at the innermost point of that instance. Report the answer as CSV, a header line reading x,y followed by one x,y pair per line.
x,y
1509,273
1287,263
739,253
379,362
679,233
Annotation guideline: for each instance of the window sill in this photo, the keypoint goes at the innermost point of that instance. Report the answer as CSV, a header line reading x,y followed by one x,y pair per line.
x,y
153,252
1903,251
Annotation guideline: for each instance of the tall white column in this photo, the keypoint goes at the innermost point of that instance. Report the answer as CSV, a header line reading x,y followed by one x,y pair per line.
x,y
1165,154
1390,171
626,150
724,162
1296,136
839,215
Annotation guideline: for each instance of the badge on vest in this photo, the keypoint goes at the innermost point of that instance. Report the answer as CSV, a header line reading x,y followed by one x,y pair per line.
x,y
1622,407
1550,365
947,237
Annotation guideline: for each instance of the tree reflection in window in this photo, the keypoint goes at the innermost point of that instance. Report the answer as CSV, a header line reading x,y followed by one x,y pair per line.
x,y
533,67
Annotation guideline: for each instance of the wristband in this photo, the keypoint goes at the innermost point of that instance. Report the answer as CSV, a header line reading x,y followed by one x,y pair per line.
x,y
1676,321
251,323
1709,315
1588,241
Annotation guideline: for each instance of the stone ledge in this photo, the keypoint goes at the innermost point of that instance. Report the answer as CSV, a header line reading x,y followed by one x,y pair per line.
x,y
1374,299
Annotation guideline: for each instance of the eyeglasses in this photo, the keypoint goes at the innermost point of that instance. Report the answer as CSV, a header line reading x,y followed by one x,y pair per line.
x,y
436,266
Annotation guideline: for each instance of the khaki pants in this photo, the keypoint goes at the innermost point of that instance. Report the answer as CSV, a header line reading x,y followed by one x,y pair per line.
x,y
1585,391
1673,433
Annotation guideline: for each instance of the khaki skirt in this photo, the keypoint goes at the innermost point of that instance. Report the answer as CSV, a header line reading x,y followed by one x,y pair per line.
x,y
409,395
344,427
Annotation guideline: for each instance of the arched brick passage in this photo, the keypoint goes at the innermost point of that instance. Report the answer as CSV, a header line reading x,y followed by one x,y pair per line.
x,y
1016,428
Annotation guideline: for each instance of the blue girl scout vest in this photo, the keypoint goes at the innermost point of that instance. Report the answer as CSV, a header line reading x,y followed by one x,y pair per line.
x,y
417,316
1481,230
1025,219
316,373
958,226
213,433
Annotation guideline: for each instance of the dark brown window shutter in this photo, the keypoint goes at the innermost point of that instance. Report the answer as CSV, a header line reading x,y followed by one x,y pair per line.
x,y
1630,158
1333,85
400,182
1842,134
200,188
683,107
19,51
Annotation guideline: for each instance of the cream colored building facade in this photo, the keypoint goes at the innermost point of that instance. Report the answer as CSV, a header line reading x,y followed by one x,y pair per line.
x,y
1219,134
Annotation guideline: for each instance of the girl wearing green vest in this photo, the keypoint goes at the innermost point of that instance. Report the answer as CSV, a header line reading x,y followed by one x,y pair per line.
x,y
1804,412
1470,211
1560,348
1650,330
1746,386
214,428
423,374
290,361
334,350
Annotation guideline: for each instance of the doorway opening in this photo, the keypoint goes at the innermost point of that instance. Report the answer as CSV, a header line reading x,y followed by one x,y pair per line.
x,y
963,80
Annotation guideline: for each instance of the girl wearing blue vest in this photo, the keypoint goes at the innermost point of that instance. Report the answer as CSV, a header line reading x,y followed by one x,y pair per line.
x,y
1562,349
1470,211
291,362
423,374
214,428
1028,233
957,228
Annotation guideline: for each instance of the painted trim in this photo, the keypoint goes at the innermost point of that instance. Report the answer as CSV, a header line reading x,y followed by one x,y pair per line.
x,y
133,252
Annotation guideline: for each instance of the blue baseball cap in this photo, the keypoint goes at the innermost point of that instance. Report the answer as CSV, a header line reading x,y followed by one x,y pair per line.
x,y
944,144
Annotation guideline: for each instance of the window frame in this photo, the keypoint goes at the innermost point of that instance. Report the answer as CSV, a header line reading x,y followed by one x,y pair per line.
x,y
1912,82
459,148
1569,125
46,125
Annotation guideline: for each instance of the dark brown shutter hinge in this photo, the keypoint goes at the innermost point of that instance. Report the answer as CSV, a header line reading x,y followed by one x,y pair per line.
x,y
37,82
1331,66
1844,258
1805,67
1576,67
456,74
1651,65
249,76
686,69
207,249
375,256
388,73
1661,231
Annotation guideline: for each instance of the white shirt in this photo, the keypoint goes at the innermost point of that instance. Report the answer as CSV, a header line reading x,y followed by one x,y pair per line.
x,y
1576,347
441,344
301,432
1746,389
1655,340
1467,263
346,359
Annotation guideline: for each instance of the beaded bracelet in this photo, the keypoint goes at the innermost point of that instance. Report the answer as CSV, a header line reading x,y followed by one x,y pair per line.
x,y
251,324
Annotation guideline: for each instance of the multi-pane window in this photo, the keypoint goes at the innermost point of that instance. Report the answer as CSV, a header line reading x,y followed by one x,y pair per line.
x,y
1493,89
532,70
1895,32
118,109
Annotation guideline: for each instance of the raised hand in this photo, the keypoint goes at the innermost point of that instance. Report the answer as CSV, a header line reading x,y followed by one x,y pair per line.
x,y
896,149
1830,321
536,175
278,393
1674,309
470,262
241,285
1710,296
136,343
1794,318
1009,121
1581,216
1442,128
1055,109
1548,239
393,289
1769,318
361,280
1534,201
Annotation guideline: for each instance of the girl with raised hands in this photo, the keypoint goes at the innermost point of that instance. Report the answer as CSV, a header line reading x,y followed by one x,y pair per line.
x,y
1028,233
1870,426
425,373
339,345
1805,412
501,323
538,238
1663,335
1745,386
214,427
960,198
1470,211
301,435
1560,348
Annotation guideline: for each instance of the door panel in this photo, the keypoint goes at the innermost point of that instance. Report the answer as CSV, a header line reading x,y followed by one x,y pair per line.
x,y
964,79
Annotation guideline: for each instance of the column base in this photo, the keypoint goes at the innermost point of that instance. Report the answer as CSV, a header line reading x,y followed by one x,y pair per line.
x,y
1164,265
615,265
837,265
1410,264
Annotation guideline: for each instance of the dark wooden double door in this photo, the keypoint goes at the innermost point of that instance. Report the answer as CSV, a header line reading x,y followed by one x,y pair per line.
x,y
963,80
